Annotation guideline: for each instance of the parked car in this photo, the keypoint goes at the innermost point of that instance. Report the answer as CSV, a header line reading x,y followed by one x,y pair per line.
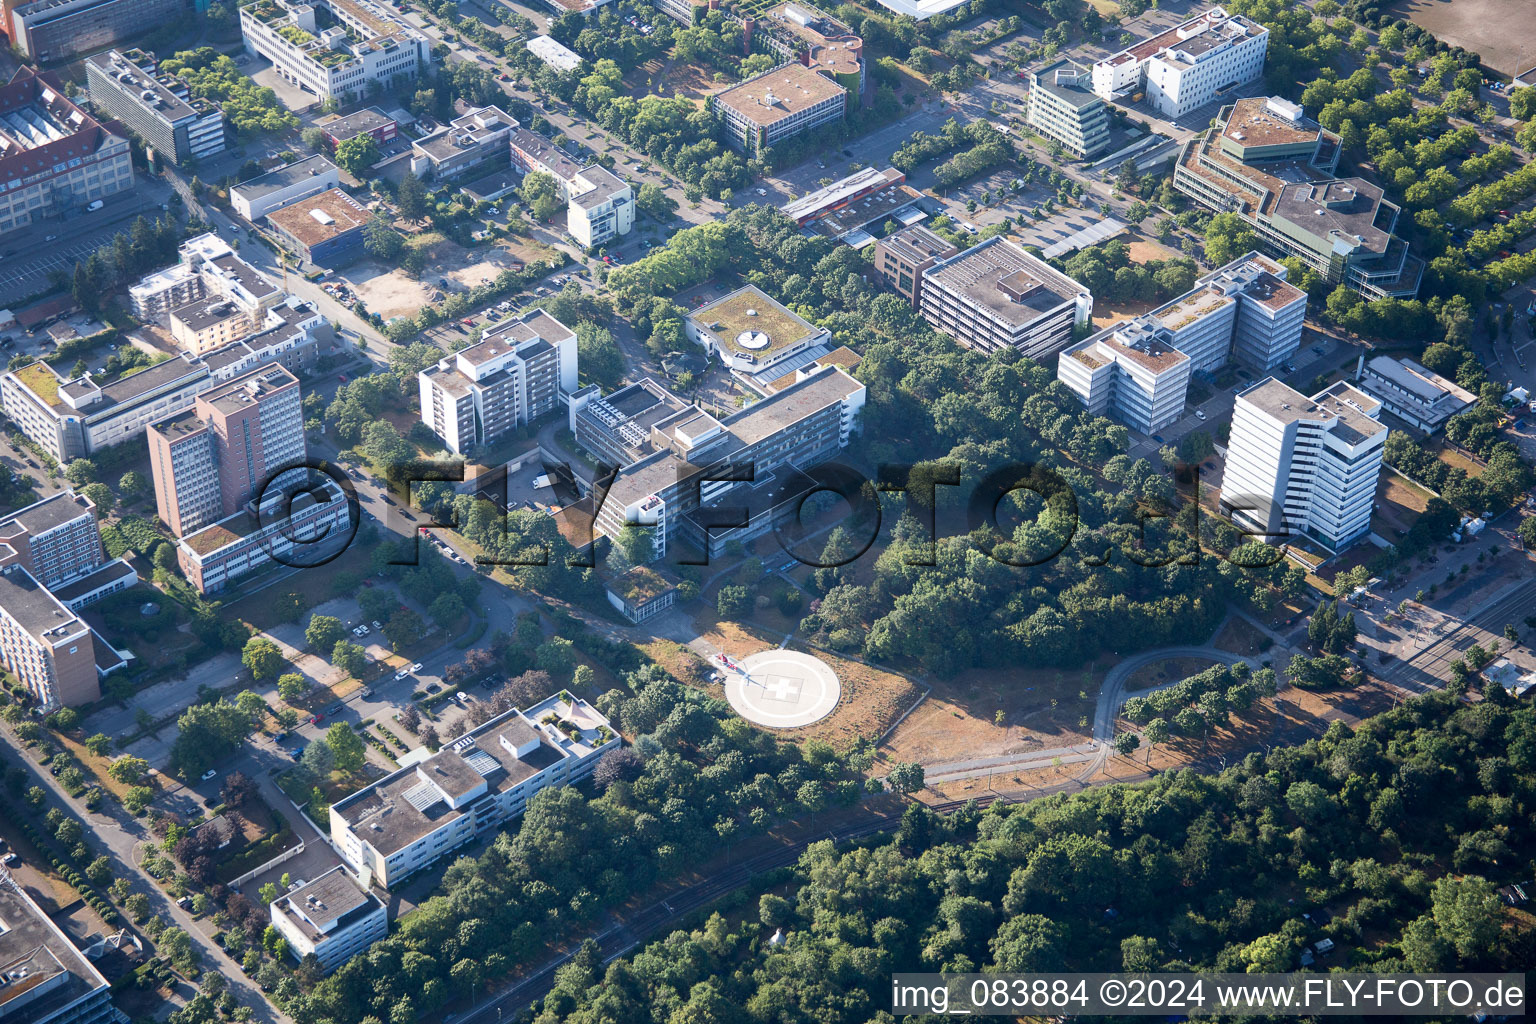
x,y
209,774
416,667
1199,414
461,697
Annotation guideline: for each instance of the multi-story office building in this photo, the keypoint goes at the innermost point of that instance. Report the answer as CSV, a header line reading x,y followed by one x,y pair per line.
x,y
1298,465
44,978
799,32
214,458
903,256
208,269
55,30
365,44
1414,394
368,121
780,104
76,417
411,819
332,917
55,159
1265,161
472,142
56,539
325,230
859,206
748,330
302,518
995,295
44,644
1138,371
1063,106
159,108
600,206
513,375
670,489
259,196
1187,66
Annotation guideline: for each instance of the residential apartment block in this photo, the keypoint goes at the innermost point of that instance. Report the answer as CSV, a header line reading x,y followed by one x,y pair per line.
x,y
1138,371
208,323
902,257
55,159
259,196
780,104
332,917
56,539
214,458
366,43
1064,107
1265,161
159,108
1189,65
669,487
49,981
995,295
55,30
45,645
512,376
1418,396
1298,465
413,818
208,269
600,206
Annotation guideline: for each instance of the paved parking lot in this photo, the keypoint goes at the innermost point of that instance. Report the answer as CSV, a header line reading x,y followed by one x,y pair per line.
x,y
27,257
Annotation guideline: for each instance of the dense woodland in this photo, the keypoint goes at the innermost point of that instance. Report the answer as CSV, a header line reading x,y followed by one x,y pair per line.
x,y
1393,838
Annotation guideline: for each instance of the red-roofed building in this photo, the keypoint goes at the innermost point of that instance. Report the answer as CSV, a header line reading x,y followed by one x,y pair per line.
x,y
55,159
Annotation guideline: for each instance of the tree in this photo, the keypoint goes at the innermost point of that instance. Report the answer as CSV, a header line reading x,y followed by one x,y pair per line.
x,y
80,472
262,657
101,496
346,747
349,657
207,733
905,777
446,609
315,139
323,632
733,602
1126,742
653,200
404,628
1227,237
128,769
411,198
380,240
291,686
357,154
319,759
238,789
132,483
541,192
99,744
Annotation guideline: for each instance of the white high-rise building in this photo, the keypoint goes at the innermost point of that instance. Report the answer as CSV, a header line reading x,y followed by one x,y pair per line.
x,y
1188,66
1303,465
1138,371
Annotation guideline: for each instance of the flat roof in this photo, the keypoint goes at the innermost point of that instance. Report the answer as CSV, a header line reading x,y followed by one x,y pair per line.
x,y
604,184
783,92
750,310
880,205
1346,206
839,191
248,388
1254,122
48,514
553,53
828,43
35,609
1001,277
1204,31
332,898
1419,381
132,79
200,314
42,381
320,218
842,357
919,243
114,570
369,119
140,383
1354,410
1057,78
641,585
282,177
34,952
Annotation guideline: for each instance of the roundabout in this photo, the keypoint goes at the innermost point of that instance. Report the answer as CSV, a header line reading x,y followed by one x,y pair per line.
x,y
781,689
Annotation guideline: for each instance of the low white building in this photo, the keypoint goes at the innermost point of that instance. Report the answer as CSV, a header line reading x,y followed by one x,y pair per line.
x,y
551,52
259,196
748,331
1418,396
1299,465
332,917
365,43
413,818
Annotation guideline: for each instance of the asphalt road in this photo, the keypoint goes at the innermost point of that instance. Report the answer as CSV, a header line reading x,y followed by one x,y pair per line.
x,y
1430,667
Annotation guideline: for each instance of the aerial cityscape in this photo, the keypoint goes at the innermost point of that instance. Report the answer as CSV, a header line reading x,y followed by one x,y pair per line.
x,y
762,512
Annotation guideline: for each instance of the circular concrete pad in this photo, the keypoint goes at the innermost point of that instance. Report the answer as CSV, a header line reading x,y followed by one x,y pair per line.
x,y
782,689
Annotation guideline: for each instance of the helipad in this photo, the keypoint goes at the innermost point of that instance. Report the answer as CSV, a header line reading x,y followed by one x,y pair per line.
x,y
782,689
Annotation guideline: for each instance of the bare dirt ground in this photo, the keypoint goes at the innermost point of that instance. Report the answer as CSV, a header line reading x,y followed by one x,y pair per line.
x,y
1169,670
1106,312
1041,709
1498,30
673,78
390,293
1145,251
